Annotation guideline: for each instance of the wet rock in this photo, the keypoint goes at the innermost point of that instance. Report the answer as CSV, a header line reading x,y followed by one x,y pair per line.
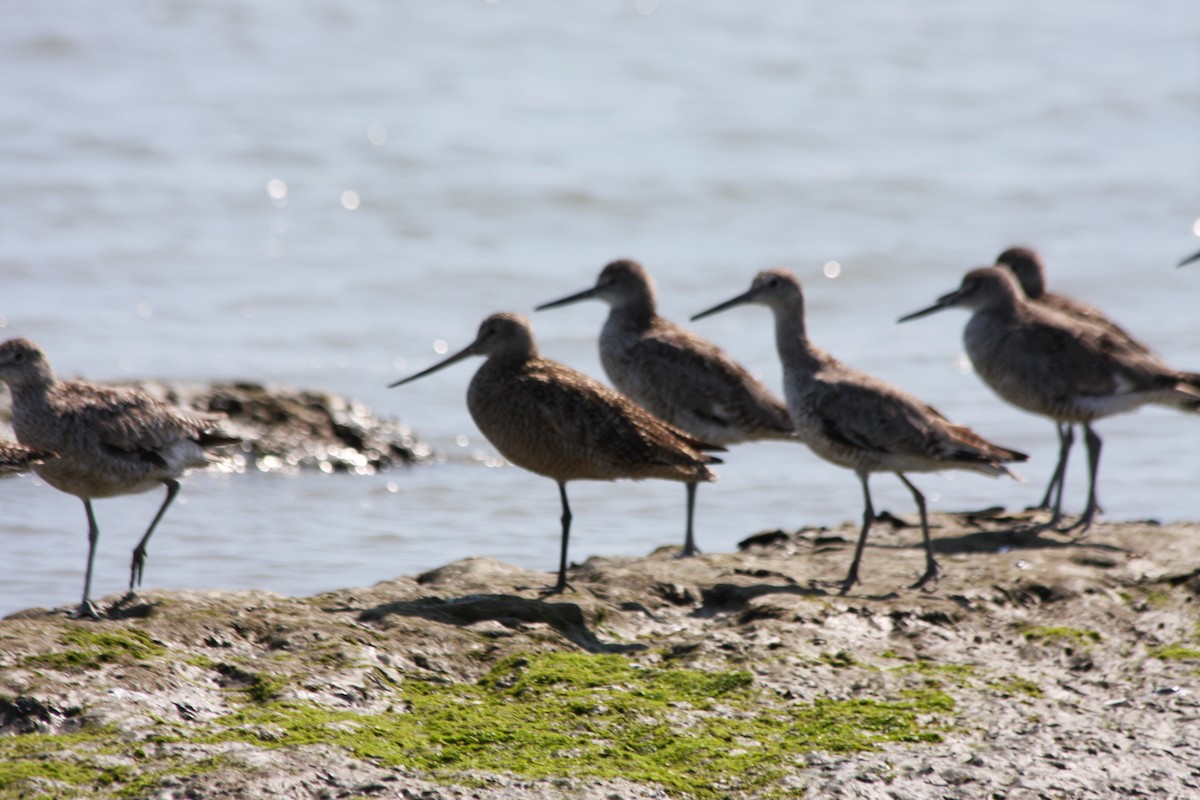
x,y
1026,691
30,715
289,429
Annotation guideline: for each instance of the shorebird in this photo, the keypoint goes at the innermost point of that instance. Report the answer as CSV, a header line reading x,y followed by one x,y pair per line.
x,y
860,422
16,458
1062,367
108,441
676,375
561,424
1026,264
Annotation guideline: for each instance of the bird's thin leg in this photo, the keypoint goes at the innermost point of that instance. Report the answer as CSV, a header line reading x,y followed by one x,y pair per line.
x,y
86,607
1084,523
931,565
562,555
868,516
689,541
139,552
1066,442
1052,500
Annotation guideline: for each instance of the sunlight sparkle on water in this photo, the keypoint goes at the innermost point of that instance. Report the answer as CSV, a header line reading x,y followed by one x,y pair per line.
x,y
1196,226
376,134
440,347
832,269
277,191
350,200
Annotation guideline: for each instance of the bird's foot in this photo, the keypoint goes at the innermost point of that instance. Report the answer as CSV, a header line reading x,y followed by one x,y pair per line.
x,y
136,567
845,585
932,573
688,552
1083,525
558,588
86,610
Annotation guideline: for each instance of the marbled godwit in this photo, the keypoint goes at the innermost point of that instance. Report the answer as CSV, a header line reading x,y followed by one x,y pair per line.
x,y
858,421
556,422
1058,366
1026,264
676,375
109,442
16,458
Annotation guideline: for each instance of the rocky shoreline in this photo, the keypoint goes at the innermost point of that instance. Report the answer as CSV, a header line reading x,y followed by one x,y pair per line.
x,y
1037,668
286,429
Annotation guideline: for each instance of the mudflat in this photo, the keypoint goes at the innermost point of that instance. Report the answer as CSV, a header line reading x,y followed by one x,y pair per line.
x,y
1037,667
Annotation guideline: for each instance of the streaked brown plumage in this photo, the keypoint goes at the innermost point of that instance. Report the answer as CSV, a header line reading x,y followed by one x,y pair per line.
x,y
1027,265
559,423
108,441
16,458
1062,367
675,374
858,421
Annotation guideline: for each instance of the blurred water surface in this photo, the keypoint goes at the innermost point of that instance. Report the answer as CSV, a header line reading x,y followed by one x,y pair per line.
x,y
316,194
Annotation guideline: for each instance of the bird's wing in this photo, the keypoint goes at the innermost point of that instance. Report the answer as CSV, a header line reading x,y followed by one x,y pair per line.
x,y
127,419
675,367
865,413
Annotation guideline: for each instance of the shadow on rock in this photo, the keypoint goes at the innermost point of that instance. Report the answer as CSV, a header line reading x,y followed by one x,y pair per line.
x,y
726,597
1019,537
508,610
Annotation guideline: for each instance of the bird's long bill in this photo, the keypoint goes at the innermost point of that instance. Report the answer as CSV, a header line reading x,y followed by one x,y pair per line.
x,y
744,297
1190,259
943,302
469,350
586,294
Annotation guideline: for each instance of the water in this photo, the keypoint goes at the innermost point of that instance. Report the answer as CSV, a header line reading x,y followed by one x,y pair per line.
x,y
435,162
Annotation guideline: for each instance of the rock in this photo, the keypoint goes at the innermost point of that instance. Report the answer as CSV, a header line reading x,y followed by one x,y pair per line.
x,y
726,675
287,429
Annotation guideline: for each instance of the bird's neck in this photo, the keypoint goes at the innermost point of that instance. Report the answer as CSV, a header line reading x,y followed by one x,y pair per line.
x,y
31,406
791,335
31,393
633,314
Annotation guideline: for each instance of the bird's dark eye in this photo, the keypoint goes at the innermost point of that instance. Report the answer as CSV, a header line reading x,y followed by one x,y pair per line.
x,y
18,357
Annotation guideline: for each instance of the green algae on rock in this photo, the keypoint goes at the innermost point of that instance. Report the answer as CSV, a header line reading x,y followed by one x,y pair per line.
x,y
461,683
599,716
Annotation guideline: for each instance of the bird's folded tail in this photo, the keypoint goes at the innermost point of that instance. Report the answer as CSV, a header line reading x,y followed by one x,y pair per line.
x,y
1189,383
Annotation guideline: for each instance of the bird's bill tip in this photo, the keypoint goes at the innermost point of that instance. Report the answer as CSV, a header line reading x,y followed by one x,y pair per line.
x,y
943,302
469,350
1189,260
719,307
586,294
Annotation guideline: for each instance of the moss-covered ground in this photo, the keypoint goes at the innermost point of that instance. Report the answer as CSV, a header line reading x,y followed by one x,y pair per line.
x,y
703,734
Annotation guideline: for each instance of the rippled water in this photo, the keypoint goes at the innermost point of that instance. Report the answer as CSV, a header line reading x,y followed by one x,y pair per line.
x,y
315,194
